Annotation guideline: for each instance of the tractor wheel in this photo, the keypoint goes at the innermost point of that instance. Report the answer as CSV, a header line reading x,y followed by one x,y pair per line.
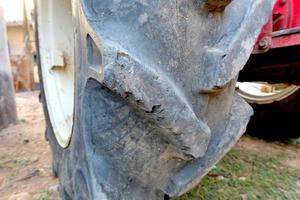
x,y
139,96
276,110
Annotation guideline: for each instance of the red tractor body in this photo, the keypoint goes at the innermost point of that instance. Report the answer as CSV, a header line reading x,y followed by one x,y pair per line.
x,y
283,27
275,67
275,57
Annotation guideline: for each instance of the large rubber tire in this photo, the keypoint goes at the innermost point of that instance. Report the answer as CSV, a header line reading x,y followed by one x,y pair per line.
x,y
278,120
159,109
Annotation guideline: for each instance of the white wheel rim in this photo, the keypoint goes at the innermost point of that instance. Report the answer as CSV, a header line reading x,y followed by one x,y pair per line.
x,y
56,47
264,93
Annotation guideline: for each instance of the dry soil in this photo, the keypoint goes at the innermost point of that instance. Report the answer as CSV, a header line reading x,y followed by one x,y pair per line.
x,y
25,157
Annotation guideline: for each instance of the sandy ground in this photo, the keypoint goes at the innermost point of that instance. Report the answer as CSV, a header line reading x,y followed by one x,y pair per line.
x,y
25,157
291,152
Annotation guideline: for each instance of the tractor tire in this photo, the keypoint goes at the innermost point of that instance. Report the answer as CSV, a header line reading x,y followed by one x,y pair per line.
x,y
276,121
154,92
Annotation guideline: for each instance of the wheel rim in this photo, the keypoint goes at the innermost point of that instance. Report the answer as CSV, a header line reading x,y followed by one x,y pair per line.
x,y
56,48
265,93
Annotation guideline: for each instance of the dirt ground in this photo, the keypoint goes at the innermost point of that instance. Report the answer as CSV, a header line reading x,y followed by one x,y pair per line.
x,y
25,158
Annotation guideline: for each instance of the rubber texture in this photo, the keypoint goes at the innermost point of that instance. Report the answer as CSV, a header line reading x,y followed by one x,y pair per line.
x,y
155,102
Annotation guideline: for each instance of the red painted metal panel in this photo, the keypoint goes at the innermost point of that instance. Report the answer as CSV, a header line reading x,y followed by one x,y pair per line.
x,y
285,16
278,46
296,14
286,41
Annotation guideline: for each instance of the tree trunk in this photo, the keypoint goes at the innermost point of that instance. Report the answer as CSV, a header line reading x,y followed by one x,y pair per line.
x,y
27,61
7,99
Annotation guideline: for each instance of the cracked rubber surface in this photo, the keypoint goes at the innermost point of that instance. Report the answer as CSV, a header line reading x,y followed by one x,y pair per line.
x,y
155,103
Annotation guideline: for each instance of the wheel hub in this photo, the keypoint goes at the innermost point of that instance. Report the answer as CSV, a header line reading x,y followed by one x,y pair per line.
x,y
265,93
56,46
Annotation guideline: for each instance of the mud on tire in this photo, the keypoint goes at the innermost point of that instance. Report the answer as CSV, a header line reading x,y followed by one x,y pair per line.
x,y
155,103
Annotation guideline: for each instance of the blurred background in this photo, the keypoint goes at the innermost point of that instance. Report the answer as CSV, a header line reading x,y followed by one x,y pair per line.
x,y
18,15
253,169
